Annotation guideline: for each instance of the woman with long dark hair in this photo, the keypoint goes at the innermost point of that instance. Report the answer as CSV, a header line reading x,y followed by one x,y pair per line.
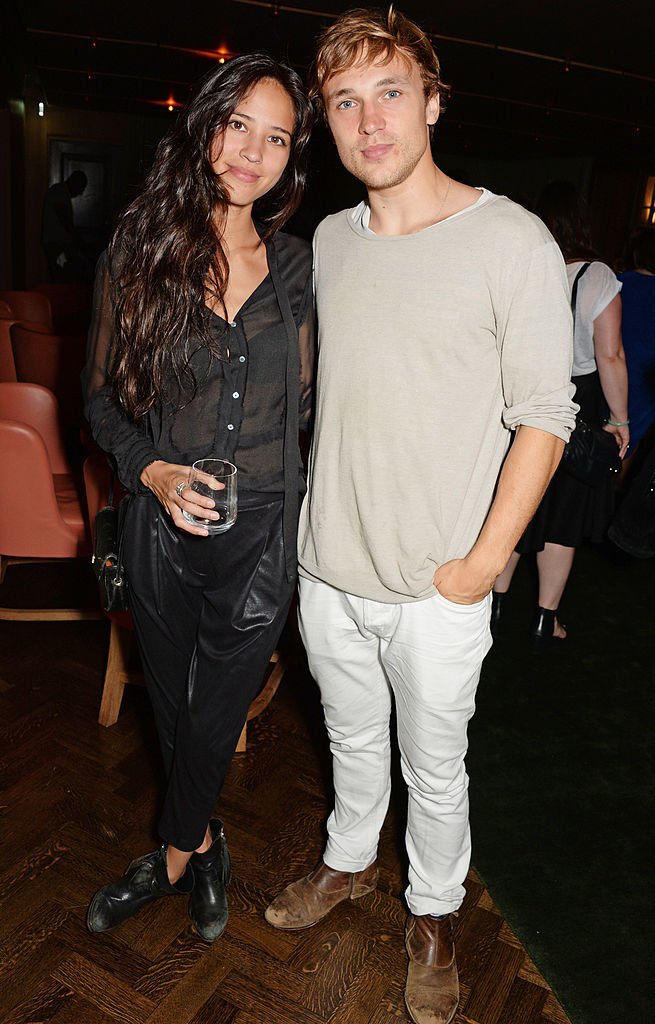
x,y
202,346
571,511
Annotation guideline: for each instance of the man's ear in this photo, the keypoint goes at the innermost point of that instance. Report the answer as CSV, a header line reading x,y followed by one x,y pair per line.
x,y
432,109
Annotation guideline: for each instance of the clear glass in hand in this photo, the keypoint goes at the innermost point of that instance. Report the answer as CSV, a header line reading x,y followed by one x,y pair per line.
x,y
217,479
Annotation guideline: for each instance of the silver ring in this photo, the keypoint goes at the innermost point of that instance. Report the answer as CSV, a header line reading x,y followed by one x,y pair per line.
x,y
179,488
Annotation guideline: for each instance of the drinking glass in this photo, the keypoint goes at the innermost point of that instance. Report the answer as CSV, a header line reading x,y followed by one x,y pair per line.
x,y
217,479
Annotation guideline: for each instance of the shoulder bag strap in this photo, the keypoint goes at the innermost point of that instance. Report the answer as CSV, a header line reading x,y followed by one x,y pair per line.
x,y
574,290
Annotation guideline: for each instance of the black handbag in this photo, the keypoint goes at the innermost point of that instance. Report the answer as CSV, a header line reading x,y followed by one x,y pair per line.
x,y
107,559
591,454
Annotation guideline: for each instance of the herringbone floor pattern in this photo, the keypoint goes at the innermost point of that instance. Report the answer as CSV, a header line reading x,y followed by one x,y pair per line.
x,y
80,801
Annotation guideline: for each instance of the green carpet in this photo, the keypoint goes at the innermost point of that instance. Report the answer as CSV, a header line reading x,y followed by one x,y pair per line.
x,y
563,788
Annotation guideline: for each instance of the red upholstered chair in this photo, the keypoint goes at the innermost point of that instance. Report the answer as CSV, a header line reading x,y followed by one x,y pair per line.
x,y
41,516
7,364
5,309
28,305
55,361
121,637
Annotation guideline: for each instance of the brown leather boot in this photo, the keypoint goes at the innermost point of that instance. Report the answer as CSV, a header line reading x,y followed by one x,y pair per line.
x,y
303,903
432,989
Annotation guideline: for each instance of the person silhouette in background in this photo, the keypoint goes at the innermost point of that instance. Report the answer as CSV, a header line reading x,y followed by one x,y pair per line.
x,y
633,527
62,244
638,330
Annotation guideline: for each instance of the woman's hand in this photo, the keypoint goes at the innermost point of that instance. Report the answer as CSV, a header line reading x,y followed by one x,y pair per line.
x,y
621,436
163,478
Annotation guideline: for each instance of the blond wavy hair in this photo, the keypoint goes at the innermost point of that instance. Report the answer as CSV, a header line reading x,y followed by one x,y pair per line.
x,y
371,34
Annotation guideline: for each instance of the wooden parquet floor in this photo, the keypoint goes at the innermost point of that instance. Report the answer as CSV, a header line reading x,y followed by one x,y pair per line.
x,y
80,801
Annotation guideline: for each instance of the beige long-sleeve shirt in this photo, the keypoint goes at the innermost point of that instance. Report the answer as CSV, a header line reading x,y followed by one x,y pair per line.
x,y
433,347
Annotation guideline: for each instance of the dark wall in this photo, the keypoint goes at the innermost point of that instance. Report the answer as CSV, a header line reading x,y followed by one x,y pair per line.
x,y
615,197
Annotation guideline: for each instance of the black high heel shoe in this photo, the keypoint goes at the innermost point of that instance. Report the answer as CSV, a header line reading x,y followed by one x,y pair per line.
x,y
542,634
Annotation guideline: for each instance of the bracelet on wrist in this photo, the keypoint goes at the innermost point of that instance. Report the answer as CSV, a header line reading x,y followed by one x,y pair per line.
x,y
616,423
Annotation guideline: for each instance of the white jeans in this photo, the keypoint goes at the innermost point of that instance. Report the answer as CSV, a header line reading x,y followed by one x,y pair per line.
x,y
429,654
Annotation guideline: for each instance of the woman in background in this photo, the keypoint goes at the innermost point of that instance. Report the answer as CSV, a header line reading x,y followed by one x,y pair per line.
x,y
201,346
572,512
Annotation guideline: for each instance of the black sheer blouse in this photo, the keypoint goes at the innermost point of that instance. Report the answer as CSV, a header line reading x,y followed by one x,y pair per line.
x,y
246,407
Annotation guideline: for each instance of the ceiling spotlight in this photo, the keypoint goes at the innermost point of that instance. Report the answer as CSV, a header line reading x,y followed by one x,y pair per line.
x,y
41,108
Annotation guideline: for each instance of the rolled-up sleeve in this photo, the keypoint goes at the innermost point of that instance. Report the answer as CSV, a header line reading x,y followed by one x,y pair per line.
x,y
535,338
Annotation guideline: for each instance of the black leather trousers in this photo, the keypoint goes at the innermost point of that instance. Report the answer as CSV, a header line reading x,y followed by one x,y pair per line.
x,y
208,612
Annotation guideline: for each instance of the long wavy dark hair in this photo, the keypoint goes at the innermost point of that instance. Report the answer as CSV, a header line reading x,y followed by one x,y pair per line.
x,y
166,252
565,214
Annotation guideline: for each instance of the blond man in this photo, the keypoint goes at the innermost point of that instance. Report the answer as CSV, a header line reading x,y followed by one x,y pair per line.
x,y
444,327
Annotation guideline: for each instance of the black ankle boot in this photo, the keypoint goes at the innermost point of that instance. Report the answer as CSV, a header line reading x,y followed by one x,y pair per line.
x,y
498,610
145,880
208,903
